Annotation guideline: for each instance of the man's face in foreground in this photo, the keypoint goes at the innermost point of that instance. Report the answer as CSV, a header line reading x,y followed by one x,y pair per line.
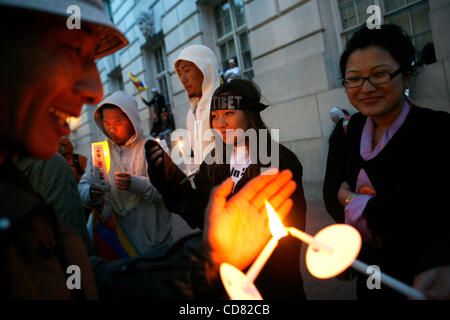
x,y
54,76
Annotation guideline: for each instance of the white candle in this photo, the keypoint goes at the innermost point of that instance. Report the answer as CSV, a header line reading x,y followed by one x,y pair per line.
x,y
309,240
101,163
259,263
180,146
278,231
391,282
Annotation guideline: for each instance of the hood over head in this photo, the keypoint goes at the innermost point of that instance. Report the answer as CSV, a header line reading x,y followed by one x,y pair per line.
x,y
129,106
205,59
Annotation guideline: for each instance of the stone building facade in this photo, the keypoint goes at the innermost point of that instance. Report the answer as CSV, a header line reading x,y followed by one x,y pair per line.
x,y
290,48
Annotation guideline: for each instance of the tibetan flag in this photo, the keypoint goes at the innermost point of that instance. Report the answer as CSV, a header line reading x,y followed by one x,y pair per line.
x,y
137,83
110,241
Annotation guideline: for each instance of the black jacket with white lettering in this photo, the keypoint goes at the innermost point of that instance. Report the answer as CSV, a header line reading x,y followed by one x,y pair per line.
x,y
280,278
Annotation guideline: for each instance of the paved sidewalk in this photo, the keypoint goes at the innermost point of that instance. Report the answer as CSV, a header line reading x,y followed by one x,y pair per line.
x,y
315,289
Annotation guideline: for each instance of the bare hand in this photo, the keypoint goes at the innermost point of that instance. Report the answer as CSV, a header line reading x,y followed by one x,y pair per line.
x,y
122,180
435,283
156,156
237,230
96,192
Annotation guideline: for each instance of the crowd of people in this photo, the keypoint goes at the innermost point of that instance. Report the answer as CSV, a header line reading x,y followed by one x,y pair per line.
x,y
386,171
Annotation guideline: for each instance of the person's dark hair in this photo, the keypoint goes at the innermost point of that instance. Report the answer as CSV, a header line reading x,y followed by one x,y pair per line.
x,y
248,89
345,111
390,37
109,106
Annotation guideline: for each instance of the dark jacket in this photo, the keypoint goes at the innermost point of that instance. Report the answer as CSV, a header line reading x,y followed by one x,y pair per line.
x,y
410,176
36,248
280,278
177,272
158,102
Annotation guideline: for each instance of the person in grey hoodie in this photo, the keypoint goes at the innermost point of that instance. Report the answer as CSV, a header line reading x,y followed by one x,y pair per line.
x,y
132,202
198,71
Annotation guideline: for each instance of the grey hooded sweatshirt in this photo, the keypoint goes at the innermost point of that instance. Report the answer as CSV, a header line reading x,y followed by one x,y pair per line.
x,y
140,210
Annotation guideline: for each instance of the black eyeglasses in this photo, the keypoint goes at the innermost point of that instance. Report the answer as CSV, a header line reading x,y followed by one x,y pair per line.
x,y
380,77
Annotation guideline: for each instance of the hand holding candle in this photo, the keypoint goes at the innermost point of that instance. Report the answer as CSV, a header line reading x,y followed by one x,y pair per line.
x,y
240,286
240,224
96,193
154,153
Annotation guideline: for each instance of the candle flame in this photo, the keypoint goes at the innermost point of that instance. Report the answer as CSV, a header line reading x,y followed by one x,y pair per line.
x,y
180,144
276,226
157,140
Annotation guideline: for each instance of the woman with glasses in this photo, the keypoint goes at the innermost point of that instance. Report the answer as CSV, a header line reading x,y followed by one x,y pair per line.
x,y
388,173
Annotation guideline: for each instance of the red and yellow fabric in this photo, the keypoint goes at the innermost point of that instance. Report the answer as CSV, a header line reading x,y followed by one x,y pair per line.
x,y
110,241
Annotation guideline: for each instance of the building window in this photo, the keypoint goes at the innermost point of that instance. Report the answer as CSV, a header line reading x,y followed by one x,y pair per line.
x,y
162,74
223,19
159,60
411,15
107,8
353,12
116,80
232,36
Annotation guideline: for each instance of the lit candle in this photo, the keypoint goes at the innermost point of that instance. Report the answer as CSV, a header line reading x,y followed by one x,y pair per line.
x,y
339,245
259,263
101,161
278,231
316,245
180,146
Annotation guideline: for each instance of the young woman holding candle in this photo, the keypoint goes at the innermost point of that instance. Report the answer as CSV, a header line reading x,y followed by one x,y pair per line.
x,y
236,105
385,175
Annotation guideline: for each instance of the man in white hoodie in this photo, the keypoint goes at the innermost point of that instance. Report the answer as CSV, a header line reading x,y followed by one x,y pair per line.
x,y
198,71
133,202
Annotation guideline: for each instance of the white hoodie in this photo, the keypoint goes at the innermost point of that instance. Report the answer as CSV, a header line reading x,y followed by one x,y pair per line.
x,y
197,119
140,210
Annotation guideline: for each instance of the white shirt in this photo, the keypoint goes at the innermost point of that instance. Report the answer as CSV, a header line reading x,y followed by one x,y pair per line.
x,y
239,162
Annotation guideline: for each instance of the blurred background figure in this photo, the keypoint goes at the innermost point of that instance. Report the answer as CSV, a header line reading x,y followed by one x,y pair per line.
x,y
233,71
336,114
163,122
164,126
76,161
159,103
